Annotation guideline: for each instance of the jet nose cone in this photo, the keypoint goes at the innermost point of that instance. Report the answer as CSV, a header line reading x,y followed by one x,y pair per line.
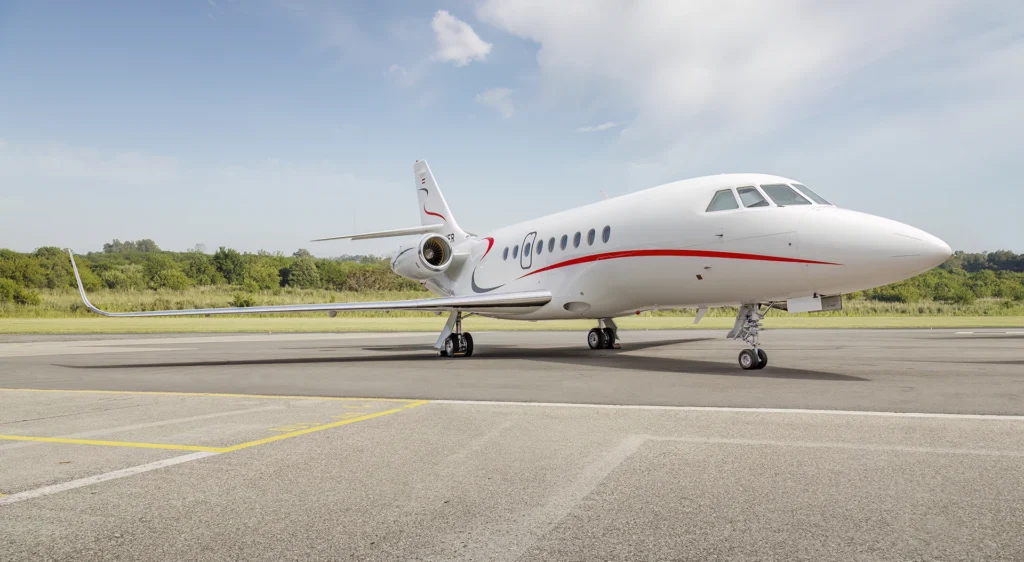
x,y
856,251
925,251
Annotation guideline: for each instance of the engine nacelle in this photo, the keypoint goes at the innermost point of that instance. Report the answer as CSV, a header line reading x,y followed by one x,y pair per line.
x,y
430,257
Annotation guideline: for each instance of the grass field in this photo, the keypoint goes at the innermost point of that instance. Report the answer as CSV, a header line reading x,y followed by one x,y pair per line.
x,y
97,325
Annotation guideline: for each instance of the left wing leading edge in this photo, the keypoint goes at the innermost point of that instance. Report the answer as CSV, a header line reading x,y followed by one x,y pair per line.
x,y
524,299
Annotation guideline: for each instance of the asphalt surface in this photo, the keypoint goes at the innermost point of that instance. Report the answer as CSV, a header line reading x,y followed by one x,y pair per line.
x,y
850,445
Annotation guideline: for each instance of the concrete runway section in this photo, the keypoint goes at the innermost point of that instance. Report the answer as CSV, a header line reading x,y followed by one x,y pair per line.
x,y
866,445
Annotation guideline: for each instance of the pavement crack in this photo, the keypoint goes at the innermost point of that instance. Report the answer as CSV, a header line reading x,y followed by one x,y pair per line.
x,y
72,414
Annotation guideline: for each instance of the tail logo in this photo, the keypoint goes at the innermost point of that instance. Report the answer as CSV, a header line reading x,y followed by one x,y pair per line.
x,y
440,216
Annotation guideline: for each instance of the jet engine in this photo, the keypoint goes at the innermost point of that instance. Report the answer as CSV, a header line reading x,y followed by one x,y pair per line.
x,y
431,256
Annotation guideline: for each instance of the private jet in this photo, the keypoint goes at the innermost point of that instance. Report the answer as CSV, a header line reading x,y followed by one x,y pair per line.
x,y
754,241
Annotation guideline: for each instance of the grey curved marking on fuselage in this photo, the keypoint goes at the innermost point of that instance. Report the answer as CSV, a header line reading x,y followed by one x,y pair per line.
x,y
395,259
425,190
478,289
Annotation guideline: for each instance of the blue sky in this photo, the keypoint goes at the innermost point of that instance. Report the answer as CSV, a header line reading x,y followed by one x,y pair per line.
x,y
261,124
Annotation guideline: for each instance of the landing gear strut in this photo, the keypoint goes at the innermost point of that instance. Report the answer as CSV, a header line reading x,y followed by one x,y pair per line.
x,y
747,328
604,336
453,342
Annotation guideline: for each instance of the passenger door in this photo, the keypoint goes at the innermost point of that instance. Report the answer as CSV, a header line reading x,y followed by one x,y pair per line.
x,y
526,256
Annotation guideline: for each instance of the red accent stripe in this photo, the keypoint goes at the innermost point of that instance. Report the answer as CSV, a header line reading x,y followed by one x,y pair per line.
x,y
490,243
434,214
673,253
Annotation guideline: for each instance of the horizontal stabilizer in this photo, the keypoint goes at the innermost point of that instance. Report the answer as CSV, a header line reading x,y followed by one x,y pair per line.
x,y
470,303
387,233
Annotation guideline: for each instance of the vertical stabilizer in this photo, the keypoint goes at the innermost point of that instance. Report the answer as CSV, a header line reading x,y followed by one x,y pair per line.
x,y
433,208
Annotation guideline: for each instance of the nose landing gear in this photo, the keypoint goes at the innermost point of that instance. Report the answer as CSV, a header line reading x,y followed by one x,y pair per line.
x,y
747,328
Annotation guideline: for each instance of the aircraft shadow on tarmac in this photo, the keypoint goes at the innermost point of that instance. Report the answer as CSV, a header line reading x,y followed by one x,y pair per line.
x,y
577,356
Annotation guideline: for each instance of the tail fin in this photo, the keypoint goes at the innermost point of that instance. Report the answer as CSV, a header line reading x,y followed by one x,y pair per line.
x,y
433,208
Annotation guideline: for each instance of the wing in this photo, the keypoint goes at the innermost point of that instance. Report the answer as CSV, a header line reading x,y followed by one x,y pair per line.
x,y
386,233
520,300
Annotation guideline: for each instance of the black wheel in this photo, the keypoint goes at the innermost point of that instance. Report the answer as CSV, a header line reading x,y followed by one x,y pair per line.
x,y
451,346
609,338
748,359
596,339
469,343
762,357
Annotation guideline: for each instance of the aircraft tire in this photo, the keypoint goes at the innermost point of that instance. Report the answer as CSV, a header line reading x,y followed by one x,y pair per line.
x,y
748,360
609,338
468,338
762,357
451,346
596,339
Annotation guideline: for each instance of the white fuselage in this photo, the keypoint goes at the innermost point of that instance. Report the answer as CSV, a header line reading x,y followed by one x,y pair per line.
x,y
666,250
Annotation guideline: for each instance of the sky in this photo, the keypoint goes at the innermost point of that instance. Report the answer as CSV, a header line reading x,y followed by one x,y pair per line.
x,y
261,124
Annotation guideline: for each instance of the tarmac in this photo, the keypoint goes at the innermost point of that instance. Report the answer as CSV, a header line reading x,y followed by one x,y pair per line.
x,y
850,445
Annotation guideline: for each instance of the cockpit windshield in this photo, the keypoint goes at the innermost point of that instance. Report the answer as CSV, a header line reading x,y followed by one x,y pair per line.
x,y
814,196
783,195
751,197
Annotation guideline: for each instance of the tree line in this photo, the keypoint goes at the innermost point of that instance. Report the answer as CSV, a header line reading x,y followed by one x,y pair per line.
x,y
141,265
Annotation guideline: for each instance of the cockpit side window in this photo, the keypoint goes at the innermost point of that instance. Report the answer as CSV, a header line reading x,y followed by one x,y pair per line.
x,y
783,195
814,196
751,197
723,201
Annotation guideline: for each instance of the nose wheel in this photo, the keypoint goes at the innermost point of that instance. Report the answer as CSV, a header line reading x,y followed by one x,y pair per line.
x,y
751,359
747,329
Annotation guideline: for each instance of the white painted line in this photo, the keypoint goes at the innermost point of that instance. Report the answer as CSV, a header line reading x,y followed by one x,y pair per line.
x,y
989,333
510,542
90,480
109,430
849,446
739,410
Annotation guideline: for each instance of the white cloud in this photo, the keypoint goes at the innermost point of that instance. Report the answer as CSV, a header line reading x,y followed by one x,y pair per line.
x,y
596,128
498,98
700,72
456,40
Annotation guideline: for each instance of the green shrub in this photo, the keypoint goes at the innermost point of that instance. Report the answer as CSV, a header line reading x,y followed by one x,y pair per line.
x,y
242,300
173,279
8,289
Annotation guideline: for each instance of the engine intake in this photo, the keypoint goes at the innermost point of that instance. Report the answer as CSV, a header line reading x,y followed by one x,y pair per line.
x,y
430,257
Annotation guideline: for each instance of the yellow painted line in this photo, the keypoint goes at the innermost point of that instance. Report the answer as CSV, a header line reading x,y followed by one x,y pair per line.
x,y
210,394
320,427
110,443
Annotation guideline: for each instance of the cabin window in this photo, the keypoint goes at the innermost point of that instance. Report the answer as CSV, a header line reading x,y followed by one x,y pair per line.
x,y
515,251
590,237
504,255
551,244
526,249
576,240
751,197
606,234
784,195
540,247
723,201
814,196
565,241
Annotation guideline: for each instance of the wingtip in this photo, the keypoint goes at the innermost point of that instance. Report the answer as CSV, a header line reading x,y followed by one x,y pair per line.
x,y
81,287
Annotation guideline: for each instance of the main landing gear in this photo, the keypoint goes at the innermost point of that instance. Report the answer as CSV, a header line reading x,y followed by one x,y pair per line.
x,y
747,328
604,336
453,342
